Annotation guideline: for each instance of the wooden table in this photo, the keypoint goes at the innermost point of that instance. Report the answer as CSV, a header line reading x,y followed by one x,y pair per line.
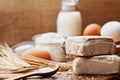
x,y
71,76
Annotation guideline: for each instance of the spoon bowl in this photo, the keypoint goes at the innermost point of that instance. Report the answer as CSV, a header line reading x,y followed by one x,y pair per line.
x,y
46,71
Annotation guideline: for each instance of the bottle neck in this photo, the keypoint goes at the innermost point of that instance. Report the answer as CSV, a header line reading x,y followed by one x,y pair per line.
x,y
69,8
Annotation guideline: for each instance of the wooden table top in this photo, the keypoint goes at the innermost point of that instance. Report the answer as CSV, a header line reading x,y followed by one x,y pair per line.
x,y
71,76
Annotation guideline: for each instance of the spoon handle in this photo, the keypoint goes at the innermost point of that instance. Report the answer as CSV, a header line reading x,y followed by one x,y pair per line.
x,y
22,76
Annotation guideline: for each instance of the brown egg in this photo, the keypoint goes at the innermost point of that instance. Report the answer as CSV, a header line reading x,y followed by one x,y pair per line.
x,y
92,30
118,47
37,52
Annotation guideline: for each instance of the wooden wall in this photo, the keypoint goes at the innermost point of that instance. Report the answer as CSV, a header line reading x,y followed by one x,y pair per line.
x,y
21,19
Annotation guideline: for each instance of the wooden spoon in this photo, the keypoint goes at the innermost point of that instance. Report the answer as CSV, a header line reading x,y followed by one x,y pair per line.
x,y
44,72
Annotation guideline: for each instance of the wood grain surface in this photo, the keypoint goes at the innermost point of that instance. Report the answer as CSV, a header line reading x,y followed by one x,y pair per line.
x,y
69,76
21,19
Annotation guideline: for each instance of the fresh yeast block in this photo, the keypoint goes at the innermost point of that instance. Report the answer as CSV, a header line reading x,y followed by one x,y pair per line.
x,y
106,64
90,45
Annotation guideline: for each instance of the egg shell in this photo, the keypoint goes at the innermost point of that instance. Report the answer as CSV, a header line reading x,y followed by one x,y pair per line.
x,y
111,29
92,29
37,52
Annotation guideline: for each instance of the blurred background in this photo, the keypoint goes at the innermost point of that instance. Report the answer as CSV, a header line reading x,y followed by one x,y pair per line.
x,y
21,19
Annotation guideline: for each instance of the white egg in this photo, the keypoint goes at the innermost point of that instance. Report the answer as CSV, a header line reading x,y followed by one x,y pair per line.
x,y
111,29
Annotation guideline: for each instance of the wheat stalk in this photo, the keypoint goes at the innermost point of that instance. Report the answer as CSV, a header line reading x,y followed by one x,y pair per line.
x,y
10,62
39,61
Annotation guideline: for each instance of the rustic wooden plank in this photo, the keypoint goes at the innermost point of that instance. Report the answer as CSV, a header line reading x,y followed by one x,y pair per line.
x,y
21,19
99,11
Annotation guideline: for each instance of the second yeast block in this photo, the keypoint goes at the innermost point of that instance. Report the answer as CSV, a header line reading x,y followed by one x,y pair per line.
x,y
105,64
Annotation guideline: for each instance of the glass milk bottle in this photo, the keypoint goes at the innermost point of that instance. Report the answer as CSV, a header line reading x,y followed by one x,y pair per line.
x,y
69,22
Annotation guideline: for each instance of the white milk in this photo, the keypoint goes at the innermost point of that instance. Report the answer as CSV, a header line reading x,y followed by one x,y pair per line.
x,y
69,21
